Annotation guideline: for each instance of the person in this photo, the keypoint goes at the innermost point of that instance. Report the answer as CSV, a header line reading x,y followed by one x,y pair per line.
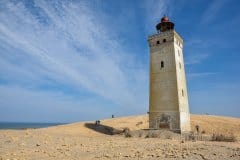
x,y
197,128
97,122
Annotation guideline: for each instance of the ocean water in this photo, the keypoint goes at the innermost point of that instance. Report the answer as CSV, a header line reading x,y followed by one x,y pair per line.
x,y
25,125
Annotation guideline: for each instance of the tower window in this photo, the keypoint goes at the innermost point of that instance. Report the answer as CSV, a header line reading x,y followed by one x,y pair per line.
x,y
158,42
180,66
179,53
164,40
182,93
162,64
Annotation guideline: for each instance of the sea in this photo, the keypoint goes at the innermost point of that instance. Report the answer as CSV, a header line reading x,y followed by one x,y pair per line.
x,y
25,125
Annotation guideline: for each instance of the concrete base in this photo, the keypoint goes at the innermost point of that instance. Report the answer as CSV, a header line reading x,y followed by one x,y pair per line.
x,y
169,120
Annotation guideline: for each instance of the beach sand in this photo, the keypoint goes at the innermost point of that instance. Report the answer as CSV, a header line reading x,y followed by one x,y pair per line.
x,y
83,141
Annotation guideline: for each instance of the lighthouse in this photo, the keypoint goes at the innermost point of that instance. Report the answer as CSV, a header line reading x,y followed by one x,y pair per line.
x,y
168,97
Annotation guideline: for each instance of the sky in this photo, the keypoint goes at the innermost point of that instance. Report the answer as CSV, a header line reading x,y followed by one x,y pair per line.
x,y
68,61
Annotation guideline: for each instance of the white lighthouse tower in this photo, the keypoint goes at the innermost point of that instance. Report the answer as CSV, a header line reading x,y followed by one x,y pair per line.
x,y
168,98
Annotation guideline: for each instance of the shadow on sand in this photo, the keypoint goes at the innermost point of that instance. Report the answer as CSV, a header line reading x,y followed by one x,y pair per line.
x,y
103,129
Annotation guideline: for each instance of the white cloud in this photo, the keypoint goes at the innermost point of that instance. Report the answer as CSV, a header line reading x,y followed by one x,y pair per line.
x,y
212,11
196,58
65,43
155,10
21,104
200,74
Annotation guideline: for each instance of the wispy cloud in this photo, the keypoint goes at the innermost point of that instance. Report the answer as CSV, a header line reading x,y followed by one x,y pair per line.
x,y
64,43
154,10
51,106
200,74
196,58
212,11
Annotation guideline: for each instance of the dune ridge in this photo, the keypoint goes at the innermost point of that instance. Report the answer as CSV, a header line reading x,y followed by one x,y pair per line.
x,y
82,141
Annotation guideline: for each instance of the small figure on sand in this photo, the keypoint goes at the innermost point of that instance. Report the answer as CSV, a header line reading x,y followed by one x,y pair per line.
x,y
97,122
197,128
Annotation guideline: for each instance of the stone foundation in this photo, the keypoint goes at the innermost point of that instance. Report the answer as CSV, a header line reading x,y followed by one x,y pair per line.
x,y
165,120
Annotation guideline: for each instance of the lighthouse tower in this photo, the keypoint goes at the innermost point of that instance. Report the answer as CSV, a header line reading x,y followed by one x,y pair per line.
x,y
168,98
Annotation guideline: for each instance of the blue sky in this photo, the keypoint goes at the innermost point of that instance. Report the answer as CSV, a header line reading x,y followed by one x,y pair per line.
x,y
65,61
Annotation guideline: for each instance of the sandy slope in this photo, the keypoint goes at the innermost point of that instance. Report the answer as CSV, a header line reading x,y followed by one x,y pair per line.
x,y
80,141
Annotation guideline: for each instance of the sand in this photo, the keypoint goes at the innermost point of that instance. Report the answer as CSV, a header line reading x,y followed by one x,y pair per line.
x,y
83,141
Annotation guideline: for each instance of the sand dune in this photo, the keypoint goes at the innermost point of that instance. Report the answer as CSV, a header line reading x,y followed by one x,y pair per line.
x,y
209,123
83,141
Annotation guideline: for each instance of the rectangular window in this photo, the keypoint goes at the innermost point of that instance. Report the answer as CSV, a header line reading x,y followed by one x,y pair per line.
x,y
162,64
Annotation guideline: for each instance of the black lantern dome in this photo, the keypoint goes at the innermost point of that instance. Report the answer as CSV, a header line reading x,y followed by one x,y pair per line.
x,y
165,25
